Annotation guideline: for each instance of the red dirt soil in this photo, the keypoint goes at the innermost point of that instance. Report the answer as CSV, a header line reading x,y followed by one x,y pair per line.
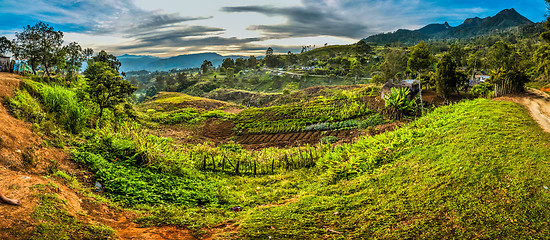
x,y
24,160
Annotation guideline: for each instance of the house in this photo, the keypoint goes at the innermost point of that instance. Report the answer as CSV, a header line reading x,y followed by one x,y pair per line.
x,y
4,64
411,84
478,79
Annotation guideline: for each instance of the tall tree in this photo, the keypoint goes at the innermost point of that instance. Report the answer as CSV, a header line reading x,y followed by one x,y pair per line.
x,y
458,54
362,48
228,63
395,61
38,44
419,61
205,67
446,76
502,55
73,58
252,62
110,59
105,86
5,46
542,54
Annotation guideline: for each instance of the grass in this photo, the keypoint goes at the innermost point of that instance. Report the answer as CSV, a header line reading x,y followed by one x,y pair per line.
x,y
477,169
55,222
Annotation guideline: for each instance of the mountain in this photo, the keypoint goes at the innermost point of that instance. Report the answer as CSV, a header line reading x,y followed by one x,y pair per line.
x,y
470,27
150,63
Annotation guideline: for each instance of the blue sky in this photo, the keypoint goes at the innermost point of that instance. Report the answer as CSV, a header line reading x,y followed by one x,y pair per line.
x,y
170,27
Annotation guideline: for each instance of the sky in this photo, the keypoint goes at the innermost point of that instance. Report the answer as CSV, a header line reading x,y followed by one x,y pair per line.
x,y
165,28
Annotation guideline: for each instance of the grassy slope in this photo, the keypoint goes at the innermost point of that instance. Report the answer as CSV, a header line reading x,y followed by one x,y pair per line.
x,y
477,169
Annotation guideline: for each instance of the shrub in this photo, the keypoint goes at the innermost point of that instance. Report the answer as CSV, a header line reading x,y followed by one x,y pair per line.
x,y
329,139
482,90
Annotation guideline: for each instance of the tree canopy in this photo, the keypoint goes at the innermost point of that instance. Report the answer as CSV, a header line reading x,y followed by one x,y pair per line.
x,y
38,44
105,86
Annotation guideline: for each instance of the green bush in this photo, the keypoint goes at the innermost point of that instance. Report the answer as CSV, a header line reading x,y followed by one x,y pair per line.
x,y
329,139
25,107
482,90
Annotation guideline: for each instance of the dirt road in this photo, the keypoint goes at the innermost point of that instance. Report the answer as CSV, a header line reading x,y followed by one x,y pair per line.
x,y
538,104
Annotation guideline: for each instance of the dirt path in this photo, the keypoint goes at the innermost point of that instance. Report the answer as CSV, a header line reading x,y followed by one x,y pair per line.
x,y
538,104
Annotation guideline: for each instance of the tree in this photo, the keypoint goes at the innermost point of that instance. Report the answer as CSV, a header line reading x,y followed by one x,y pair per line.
x,y
502,55
105,86
457,53
252,62
446,76
291,58
38,44
5,46
73,58
240,64
420,60
228,63
362,48
508,80
205,67
542,60
377,79
110,59
396,61
270,59
542,54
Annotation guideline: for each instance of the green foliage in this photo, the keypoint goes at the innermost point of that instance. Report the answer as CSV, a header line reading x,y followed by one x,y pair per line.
x,y
446,76
420,58
377,79
329,139
508,80
25,107
57,223
61,103
105,87
541,58
38,44
482,90
189,116
118,163
295,117
396,102
469,170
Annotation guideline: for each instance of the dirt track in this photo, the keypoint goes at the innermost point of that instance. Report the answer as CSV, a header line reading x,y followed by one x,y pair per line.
x,y
538,104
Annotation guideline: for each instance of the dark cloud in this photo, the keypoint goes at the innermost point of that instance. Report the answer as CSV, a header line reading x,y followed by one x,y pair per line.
x,y
171,42
304,22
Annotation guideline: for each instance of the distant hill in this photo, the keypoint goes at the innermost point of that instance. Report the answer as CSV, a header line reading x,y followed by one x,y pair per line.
x,y
150,63
471,27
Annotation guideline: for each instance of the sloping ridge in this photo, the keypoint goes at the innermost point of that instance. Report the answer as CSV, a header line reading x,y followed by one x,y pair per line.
x,y
470,27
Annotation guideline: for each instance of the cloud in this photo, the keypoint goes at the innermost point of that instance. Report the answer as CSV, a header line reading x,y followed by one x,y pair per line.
x,y
352,18
303,22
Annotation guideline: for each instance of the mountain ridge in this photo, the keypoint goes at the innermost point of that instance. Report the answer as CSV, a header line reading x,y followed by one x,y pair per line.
x,y
470,27
152,63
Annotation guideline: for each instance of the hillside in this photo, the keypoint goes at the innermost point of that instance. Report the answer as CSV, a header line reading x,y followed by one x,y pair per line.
x,y
474,169
469,28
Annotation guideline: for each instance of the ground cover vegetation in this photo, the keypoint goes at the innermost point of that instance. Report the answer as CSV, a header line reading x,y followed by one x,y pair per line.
x,y
473,169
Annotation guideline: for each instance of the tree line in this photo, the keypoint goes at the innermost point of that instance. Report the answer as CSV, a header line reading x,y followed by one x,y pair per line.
x,y
41,47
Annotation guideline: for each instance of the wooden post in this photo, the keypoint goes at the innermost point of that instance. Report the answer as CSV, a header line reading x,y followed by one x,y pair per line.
x,y
272,163
254,167
286,160
213,163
